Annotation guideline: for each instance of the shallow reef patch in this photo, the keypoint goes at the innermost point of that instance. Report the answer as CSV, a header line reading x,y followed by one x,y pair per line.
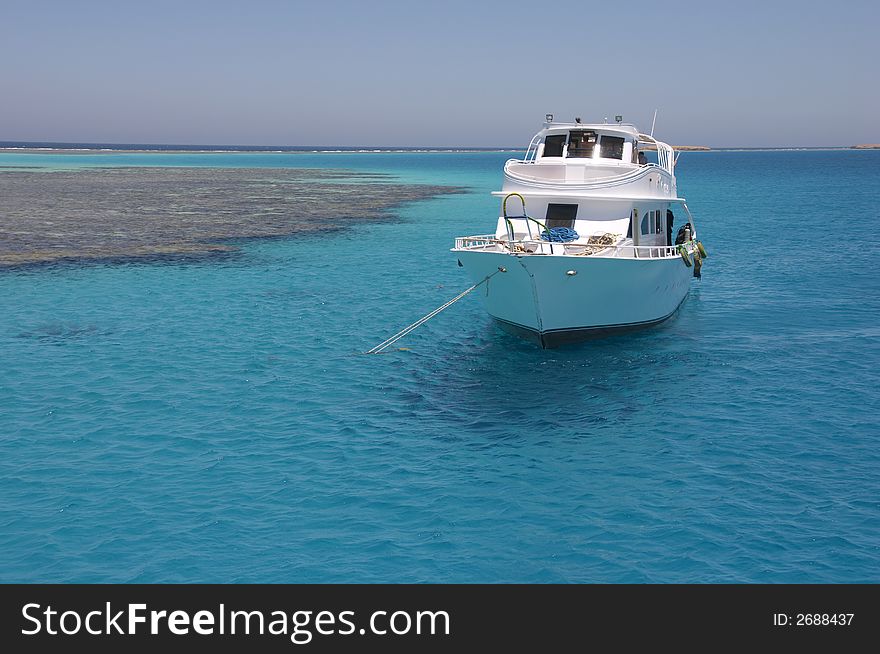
x,y
141,212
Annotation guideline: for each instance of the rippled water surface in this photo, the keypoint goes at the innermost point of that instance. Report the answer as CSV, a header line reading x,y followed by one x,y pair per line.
x,y
209,419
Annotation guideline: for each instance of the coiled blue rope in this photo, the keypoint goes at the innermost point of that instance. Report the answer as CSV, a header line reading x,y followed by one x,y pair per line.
x,y
559,235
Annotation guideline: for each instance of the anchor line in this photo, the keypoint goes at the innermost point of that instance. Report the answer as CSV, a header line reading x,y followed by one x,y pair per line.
x,y
421,321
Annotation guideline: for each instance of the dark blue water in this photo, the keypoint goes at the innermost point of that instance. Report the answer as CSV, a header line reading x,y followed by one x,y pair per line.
x,y
211,421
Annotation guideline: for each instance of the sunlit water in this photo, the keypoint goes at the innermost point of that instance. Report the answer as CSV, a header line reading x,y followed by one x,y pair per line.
x,y
210,419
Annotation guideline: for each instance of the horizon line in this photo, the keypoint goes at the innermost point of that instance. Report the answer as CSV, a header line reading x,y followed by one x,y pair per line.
x,y
213,147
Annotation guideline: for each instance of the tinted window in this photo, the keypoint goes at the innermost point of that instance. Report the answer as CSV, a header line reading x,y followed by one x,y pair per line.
x,y
553,145
581,144
561,215
612,147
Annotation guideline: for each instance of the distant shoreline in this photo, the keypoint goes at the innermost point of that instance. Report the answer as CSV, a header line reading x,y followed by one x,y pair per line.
x,y
104,148
34,147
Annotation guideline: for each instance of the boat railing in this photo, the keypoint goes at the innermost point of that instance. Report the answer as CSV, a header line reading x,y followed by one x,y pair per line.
x,y
646,251
665,153
490,242
532,150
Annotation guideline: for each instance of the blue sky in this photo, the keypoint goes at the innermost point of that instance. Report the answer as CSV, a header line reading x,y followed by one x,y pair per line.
x,y
440,73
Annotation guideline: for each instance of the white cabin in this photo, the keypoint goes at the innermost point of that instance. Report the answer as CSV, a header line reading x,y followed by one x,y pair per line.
x,y
595,179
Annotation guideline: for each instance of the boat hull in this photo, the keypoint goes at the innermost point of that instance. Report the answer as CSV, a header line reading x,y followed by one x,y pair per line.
x,y
554,300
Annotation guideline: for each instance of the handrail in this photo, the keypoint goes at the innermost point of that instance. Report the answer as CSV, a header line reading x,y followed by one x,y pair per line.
x,y
531,155
507,220
690,220
507,197
521,247
665,152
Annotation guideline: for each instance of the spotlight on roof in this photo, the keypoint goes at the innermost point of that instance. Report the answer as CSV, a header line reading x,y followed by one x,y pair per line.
x,y
577,120
549,118
618,118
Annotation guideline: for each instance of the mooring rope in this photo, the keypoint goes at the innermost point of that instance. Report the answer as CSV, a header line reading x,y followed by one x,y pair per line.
x,y
388,342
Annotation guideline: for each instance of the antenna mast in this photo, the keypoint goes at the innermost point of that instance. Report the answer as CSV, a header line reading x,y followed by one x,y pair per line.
x,y
654,121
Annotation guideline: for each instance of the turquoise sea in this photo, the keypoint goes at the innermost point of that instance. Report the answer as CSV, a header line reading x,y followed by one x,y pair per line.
x,y
210,420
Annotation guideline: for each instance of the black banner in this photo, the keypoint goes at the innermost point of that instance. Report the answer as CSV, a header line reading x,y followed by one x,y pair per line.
x,y
432,618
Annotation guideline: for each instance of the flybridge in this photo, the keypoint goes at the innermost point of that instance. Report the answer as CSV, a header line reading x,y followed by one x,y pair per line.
x,y
596,144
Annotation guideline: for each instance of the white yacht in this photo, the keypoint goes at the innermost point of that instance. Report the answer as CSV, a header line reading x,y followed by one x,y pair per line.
x,y
592,236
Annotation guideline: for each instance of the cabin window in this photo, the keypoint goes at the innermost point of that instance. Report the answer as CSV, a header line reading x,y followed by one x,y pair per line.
x,y
581,144
612,147
560,215
553,145
652,223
